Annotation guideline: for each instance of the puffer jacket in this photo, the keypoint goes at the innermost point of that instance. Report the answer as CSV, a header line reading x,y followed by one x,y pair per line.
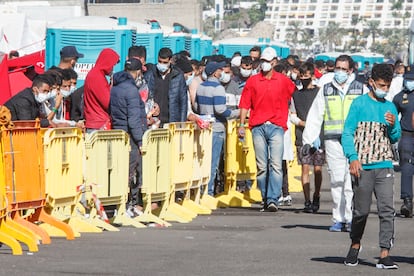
x,y
127,107
177,94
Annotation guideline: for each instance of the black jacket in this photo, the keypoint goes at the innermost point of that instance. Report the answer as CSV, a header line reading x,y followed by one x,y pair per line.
x,y
23,106
126,107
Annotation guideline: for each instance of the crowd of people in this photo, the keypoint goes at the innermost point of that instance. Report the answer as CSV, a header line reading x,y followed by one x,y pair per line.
x,y
344,117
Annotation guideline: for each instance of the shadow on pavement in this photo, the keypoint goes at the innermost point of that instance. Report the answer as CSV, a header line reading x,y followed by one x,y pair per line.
x,y
307,226
339,260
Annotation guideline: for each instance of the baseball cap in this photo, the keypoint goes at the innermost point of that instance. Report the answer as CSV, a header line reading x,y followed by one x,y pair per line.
x,y
213,66
70,51
133,64
268,54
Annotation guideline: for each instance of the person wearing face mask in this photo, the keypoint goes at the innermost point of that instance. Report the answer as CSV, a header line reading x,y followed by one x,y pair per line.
x,y
404,102
245,71
303,100
97,91
267,96
26,104
370,129
69,56
127,111
397,80
211,102
330,108
230,86
168,88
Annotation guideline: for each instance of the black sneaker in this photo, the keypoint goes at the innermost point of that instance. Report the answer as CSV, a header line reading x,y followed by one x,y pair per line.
x,y
352,257
272,207
407,208
308,207
315,204
386,263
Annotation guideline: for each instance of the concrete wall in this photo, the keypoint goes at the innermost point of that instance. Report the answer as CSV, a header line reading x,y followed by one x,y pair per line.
x,y
185,12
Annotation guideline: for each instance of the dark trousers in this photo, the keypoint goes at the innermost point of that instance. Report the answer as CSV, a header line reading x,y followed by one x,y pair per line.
x,y
135,173
406,149
381,182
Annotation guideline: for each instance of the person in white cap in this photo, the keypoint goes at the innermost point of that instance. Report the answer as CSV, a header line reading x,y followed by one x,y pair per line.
x,y
267,96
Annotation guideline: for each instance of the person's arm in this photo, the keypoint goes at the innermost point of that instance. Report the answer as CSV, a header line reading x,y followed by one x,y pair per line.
x,y
314,119
347,139
219,103
24,110
394,127
56,103
134,116
183,99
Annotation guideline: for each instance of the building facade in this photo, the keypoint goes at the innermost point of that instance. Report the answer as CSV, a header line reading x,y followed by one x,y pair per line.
x,y
316,14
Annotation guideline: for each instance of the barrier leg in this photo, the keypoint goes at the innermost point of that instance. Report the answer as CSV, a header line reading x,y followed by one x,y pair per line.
x,y
199,209
176,212
36,229
209,201
19,233
253,195
122,218
46,218
11,242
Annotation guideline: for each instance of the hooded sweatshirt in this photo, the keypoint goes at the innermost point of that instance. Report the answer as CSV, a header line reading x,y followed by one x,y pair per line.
x,y
97,90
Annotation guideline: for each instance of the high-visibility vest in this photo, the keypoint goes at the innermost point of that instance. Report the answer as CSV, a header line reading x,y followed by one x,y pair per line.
x,y
336,108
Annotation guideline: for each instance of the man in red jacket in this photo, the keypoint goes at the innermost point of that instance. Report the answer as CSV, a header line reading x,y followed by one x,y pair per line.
x,y
97,91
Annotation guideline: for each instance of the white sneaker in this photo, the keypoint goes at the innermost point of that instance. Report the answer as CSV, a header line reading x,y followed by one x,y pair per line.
x,y
280,201
287,200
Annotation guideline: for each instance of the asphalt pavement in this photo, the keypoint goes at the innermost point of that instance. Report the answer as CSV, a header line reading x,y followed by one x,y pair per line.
x,y
230,241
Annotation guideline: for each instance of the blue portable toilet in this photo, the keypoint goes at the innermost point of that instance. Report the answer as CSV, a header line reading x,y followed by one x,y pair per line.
x,y
372,58
193,44
227,47
149,35
174,39
329,56
90,34
206,46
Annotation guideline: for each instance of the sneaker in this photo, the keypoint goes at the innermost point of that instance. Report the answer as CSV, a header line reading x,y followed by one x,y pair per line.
x,y
308,207
336,227
386,263
315,204
271,207
352,257
287,200
346,227
407,208
130,212
281,201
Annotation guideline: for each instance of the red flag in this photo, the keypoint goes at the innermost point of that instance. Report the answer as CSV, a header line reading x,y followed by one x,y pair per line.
x,y
5,93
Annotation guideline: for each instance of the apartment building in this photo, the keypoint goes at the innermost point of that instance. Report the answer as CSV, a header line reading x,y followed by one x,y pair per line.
x,y
316,14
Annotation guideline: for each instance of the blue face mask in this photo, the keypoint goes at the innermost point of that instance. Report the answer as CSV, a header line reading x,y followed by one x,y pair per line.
x,y
341,76
162,67
190,79
409,85
380,94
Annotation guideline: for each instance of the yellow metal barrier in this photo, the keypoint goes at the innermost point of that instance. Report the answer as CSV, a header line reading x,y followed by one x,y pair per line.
x,y
240,165
107,169
156,173
182,139
63,149
24,180
203,139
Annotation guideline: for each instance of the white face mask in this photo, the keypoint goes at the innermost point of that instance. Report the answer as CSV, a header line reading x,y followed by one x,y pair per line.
x,y
293,76
52,94
162,67
189,79
245,72
204,75
72,89
65,93
42,97
255,71
225,77
266,66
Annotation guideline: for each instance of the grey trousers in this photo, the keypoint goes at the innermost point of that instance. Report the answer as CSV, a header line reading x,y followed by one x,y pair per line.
x,y
381,182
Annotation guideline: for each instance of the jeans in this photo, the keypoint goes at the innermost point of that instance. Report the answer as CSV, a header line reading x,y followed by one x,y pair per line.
x,y
268,146
218,142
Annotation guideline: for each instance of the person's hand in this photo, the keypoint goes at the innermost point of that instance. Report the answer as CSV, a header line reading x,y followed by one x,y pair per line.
x,y
155,110
390,118
80,125
355,167
306,150
202,124
58,99
241,132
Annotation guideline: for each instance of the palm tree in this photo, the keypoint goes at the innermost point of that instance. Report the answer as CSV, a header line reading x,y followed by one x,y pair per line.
x,y
373,29
331,36
293,34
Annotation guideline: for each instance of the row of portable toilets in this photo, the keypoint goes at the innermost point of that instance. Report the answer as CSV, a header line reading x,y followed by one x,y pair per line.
x,y
58,182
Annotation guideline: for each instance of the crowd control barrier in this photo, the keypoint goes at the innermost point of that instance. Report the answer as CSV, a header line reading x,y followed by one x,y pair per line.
x,y
240,165
63,149
156,173
107,171
25,183
203,139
